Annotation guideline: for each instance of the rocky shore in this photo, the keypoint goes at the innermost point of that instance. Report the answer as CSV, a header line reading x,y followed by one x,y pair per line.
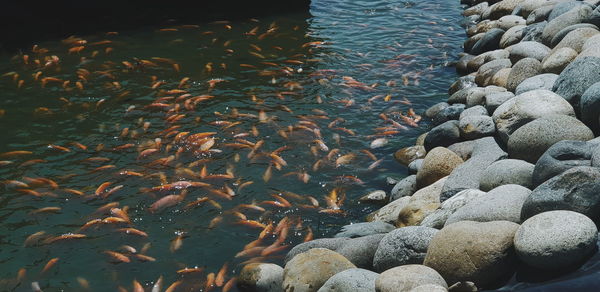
x,y
507,178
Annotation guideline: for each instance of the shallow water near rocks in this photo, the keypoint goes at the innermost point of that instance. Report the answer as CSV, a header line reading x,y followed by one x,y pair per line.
x,y
347,62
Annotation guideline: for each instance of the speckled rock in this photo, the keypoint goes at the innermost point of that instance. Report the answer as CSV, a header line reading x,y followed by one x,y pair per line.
x,y
403,246
432,111
556,240
487,71
490,41
507,171
389,213
541,81
328,243
512,36
476,9
573,16
438,163
438,218
461,95
559,157
408,154
528,6
473,127
462,149
421,204
486,57
477,110
575,189
260,277
415,166
576,78
472,251
503,7
449,113
364,229
530,141
527,49
527,107
405,278
429,288
521,70
539,15
356,280
406,187
308,271
574,36
462,83
494,100
503,203
508,21
564,7
442,135
360,251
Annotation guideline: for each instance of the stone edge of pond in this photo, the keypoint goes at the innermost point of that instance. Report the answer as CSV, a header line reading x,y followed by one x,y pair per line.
x,y
502,184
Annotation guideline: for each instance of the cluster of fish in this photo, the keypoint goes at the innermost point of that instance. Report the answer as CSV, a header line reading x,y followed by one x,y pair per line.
x,y
187,159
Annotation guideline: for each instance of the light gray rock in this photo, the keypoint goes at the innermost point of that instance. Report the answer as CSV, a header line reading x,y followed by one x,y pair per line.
x,y
438,163
467,175
432,111
503,7
328,243
512,36
429,288
404,188
528,6
389,213
378,196
559,157
503,203
539,15
308,271
461,83
521,70
562,8
414,166
438,218
403,246
442,135
356,280
589,107
575,189
573,16
364,229
473,127
360,251
557,61
527,107
530,141
533,32
261,277
592,42
556,240
476,9
577,35
576,78
508,21
541,81
449,113
494,100
505,172
489,69
480,252
527,49
405,278
477,110
590,52
489,56
490,41
462,149
461,95
500,78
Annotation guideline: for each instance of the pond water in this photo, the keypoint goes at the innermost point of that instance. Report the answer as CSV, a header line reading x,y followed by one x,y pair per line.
x,y
183,152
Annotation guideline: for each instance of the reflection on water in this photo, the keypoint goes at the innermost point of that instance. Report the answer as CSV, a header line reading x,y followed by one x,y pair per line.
x,y
183,152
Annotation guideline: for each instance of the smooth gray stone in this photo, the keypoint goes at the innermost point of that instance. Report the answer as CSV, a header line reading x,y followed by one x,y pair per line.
x,y
533,32
590,107
355,280
433,110
404,188
563,32
477,110
539,15
461,95
507,171
474,127
486,57
415,165
261,277
364,228
503,203
527,49
468,174
494,100
541,81
487,71
576,78
575,189
559,157
573,16
562,8
328,243
476,9
443,135
512,36
463,149
449,113
521,70
556,240
360,250
405,278
576,38
508,21
438,218
530,141
403,246
558,60
490,41
594,17
462,83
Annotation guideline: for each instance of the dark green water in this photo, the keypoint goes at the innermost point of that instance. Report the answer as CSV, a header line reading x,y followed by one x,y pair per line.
x,y
397,51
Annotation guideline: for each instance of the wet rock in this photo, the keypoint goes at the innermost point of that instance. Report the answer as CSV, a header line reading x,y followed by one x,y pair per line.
x,y
403,246
575,189
421,204
573,16
527,49
505,172
533,32
494,100
490,41
421,139
576,78
530,141
404,188
405,278
467,175
512,36
541,81
503,203
260,277
389,213
308,271
473,127
462,149
408,154
472,40
473,251
590,107
556,240
377,196
450,113
438,163
364,229
462,83
438,218
357,280
521,70
559,157
527,107
461,67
